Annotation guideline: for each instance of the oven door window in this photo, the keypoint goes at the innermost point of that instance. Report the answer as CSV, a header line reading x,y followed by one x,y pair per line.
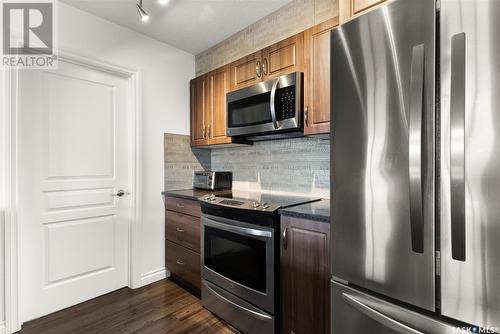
x,y
252,110
237,257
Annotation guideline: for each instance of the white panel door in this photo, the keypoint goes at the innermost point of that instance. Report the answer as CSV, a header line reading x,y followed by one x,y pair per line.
x,y
74,131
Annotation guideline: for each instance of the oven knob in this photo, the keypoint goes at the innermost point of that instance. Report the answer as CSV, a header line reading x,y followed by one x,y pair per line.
x,y
256,205
265,206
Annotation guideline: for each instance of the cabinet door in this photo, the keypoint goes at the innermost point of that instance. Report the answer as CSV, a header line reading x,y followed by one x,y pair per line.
x,y
246,71
283,57
317,78
305,276
199,104
219,86
348,9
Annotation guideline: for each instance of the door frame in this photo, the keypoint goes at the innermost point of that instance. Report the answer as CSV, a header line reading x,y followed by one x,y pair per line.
x,y
9,178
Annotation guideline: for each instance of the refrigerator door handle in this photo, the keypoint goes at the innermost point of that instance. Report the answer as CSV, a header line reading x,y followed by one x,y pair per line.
x,y
378,316
457,147
415,148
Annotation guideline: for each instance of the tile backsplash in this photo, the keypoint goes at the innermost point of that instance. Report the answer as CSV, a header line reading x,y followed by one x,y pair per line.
x,y
299,165
181,161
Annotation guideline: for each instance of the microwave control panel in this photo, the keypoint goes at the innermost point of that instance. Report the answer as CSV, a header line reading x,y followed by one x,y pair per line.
x,y
286,98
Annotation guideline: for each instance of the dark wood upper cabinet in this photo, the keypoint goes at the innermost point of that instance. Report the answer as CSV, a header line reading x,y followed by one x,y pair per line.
x,y
283,57
307,52
219,86
349,9
305,276
317,78
199,110
278,59
208,108
246,71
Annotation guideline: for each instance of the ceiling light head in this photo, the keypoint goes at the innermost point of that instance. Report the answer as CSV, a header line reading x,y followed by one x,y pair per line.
x,y
143,14
163,2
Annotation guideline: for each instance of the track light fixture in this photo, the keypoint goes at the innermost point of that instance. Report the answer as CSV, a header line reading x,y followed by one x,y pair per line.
x,y
143,14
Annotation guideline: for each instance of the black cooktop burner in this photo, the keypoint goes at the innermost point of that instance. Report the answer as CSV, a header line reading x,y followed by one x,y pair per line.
x,y
252,207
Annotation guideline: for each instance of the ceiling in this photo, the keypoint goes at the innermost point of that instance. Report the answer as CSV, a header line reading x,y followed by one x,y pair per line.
x,y
190,25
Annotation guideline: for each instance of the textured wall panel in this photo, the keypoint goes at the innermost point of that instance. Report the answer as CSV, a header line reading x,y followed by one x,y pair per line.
x,y
300,165
181,161
292,18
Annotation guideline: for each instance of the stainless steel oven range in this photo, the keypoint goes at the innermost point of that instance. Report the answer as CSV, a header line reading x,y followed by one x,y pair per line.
x,y
240,258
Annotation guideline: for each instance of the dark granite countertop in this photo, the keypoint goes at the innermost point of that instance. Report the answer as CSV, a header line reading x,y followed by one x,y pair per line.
x,y
319,211
191,193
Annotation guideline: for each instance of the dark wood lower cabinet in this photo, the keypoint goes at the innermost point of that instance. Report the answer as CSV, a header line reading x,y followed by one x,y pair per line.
x,y
184,263
182,244
305,276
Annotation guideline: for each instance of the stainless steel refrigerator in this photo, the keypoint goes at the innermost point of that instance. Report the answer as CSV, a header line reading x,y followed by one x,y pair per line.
x,y
416,169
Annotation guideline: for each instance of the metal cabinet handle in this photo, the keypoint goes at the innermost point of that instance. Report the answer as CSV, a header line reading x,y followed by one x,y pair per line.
x,y
179,262
273,103
457,147
252,232
415,148
258,70
378,317
264,66
285,238
180,206
180,230
306,115
257,315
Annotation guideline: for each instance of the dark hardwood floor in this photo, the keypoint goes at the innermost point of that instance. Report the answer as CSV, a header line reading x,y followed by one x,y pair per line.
x,y
161,307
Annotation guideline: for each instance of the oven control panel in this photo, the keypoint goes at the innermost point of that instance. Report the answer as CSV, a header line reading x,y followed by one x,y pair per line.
x,y
240,203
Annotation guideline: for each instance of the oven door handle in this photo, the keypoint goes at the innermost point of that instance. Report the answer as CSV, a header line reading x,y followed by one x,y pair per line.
x,y
273,103
238,229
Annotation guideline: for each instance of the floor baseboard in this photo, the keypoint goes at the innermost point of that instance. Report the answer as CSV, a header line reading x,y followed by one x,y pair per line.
x,y
153,276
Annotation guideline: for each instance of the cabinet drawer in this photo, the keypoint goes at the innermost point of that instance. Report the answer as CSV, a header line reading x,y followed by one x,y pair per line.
x,y
184,263
183,229
186,206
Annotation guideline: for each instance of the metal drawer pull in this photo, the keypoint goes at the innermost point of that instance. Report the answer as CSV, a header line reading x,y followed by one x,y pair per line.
x,y
264,66
258,70
179,229
378,317
285,239
180,206
180,262
244,309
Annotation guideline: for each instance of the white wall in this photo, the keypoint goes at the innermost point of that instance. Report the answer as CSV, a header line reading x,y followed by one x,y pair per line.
x,y
165,73
3,199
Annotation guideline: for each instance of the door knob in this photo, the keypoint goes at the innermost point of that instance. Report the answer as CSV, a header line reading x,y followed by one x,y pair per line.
x,y
120,193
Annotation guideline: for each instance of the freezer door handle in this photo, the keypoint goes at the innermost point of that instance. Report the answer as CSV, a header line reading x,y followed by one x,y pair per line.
x,y
457,147
378,316
415,139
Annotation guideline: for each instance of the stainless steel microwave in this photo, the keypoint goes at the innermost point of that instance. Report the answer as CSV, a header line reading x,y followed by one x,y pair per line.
x,y
270,107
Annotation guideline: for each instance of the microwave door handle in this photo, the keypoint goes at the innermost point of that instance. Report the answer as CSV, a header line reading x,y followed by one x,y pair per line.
x,y
273,103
